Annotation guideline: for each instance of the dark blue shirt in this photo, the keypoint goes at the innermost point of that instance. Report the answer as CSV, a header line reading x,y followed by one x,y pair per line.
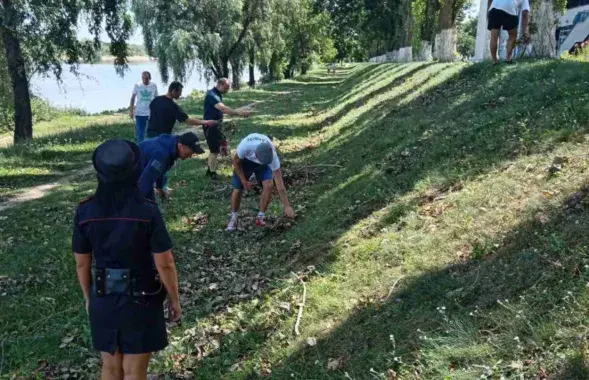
x,y
158,155
120,236
164,112
212,98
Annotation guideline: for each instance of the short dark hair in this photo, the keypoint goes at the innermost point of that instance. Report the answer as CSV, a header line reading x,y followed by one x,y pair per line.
x,y
175,86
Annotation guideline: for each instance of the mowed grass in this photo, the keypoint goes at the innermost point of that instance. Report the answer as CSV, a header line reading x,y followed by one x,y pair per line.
x,y
61,146
441,233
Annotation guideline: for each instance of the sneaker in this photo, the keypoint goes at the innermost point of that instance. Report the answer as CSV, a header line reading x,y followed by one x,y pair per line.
x,y
260,222
232,225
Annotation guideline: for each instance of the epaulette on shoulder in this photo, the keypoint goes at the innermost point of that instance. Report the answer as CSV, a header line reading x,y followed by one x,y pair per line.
x,y
86,199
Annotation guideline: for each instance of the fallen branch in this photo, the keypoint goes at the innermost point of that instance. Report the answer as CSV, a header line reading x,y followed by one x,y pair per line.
x,y
301,306
393,287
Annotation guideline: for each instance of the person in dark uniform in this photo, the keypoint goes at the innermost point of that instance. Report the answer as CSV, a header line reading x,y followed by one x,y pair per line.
x,y
164,112
158,155
214,108
133,268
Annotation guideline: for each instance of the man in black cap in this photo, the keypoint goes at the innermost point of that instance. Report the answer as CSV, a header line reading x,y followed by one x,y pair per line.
x,y
158,155
257,155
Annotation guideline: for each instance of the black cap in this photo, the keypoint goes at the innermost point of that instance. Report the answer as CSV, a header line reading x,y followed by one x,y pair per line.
x,y
116,160
190,140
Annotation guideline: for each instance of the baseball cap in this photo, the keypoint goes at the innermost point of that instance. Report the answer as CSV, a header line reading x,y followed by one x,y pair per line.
x,y
190,140
116,160
265,153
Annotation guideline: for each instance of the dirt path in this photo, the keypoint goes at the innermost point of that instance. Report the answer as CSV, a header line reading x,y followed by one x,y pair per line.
x,y
39,191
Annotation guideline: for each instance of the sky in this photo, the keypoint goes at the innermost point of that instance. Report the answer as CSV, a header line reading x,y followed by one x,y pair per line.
x,y
137,37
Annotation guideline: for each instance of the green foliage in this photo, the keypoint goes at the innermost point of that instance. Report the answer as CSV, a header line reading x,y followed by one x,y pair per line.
x,y
209,31
467,31
47,32
132,50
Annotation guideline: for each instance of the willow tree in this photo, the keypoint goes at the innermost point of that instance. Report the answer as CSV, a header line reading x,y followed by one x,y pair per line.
x,y
39,36
203,34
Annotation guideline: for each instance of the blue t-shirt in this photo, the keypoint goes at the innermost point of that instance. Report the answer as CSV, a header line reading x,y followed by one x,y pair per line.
x,y
212,98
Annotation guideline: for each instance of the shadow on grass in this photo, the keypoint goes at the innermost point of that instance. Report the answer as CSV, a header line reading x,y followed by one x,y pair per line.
x,y
382,156
385,155
531,286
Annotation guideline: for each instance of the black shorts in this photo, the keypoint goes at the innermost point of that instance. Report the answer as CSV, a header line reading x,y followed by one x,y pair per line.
x,y
500,19
214,137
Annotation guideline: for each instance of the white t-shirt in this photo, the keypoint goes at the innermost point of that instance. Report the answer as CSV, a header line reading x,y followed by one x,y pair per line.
x,y
513,7
246,150
145,95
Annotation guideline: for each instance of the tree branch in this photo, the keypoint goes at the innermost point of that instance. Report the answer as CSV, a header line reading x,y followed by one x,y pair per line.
x,y
246,24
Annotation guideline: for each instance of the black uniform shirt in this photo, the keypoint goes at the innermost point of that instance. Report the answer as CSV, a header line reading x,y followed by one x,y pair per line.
x,y
123,237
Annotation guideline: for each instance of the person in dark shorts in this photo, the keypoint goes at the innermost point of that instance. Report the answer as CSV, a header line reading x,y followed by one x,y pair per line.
x,y
257,155
158,155
125,235
503,14
164,112
214,108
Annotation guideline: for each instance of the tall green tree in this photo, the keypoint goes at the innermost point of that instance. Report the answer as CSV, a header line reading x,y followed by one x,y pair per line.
x,y
39,36
206,34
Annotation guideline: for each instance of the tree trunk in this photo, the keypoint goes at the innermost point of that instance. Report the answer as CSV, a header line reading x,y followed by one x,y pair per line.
x,y
544,38
23,117
406,50
236,75
252,67
225,68
304,68
425,52
445,42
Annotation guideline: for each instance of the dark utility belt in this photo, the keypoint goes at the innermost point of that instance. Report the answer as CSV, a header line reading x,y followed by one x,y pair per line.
x,y
107,281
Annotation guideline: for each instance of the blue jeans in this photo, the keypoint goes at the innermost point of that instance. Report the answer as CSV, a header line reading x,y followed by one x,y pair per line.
x,y
140,127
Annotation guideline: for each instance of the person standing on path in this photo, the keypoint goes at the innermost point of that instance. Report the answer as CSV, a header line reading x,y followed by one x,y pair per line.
x,y
144,92
214,108
505,14
126,238
158,155
164,114
257,155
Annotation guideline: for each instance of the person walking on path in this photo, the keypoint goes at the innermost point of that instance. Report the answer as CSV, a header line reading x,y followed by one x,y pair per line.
x,y
164,114
126,238
143,93
257,155
214,109
505,14
158,155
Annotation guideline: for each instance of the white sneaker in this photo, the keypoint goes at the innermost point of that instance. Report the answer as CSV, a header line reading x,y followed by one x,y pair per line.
x,y
232,225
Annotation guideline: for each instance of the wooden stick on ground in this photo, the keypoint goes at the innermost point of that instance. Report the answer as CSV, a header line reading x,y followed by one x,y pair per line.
x,y
393,288
301,306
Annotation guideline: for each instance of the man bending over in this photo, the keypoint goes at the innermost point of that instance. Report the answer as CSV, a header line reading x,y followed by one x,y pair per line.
x,y
257,155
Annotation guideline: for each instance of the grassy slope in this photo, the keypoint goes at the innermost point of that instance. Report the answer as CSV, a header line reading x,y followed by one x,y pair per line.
x,y
440,242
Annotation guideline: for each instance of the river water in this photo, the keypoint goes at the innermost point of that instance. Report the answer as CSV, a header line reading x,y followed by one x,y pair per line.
x,y
99,88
